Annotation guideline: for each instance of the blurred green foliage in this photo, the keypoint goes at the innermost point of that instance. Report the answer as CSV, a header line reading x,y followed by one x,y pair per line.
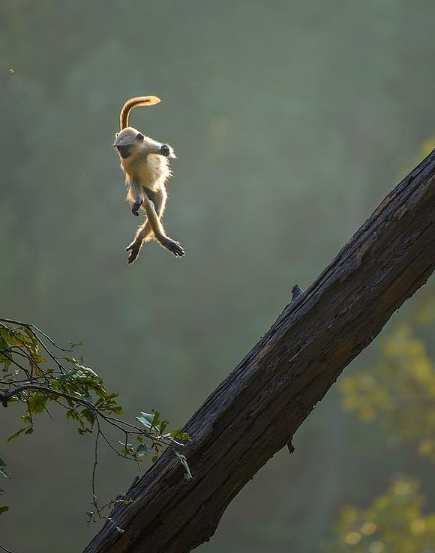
x,y
394,523
398,392
291,121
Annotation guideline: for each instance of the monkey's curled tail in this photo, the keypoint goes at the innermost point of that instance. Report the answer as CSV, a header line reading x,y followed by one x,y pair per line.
x,y
134,103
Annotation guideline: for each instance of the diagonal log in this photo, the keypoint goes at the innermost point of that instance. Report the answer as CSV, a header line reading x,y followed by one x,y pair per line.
x,y
258,408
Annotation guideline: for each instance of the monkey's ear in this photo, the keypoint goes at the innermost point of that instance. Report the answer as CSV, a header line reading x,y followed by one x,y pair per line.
x,y
140,137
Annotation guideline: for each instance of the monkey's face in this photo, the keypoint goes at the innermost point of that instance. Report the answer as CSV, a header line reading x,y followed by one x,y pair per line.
x,y
125,151
128,142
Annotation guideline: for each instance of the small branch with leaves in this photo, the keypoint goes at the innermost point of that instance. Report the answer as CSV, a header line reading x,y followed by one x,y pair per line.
x,y
37,372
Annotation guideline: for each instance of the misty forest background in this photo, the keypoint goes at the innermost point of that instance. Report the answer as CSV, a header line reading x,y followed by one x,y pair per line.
x,y
291,120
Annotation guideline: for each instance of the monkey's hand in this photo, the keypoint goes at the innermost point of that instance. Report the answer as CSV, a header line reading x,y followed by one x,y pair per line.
x,y
135,207
134,249
165,150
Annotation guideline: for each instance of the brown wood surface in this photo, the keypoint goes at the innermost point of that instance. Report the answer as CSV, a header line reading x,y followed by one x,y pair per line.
x,y
258,408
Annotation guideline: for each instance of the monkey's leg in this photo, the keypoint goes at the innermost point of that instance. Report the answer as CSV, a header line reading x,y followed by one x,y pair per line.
x,y
145,232
159,231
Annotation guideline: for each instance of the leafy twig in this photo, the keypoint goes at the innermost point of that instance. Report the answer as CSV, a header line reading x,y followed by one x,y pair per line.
x,y
81,392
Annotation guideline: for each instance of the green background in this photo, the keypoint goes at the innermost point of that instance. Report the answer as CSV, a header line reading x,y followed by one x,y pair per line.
x,y
291,120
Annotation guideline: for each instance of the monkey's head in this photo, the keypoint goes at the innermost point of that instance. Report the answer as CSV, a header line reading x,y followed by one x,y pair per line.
x,y
128,142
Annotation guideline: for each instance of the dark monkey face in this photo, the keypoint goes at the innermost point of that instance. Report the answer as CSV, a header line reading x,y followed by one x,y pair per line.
x,y
124,151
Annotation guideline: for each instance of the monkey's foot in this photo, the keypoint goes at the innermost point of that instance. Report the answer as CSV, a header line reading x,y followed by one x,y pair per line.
x,y
174,247
165,150
135,207
134,249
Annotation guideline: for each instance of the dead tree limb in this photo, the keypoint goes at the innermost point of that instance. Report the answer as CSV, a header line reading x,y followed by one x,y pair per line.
x,y
258,408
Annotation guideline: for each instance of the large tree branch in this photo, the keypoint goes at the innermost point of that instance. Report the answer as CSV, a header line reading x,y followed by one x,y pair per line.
x,y
257,409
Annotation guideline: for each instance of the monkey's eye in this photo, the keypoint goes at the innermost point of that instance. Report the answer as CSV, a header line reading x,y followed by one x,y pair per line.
x,y
140,137
116,134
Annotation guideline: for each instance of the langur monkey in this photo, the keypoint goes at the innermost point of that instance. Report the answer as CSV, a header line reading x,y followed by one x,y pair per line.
x,y
146,167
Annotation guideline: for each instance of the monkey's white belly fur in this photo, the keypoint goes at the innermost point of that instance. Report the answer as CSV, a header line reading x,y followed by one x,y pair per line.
x,y
154,172
151,174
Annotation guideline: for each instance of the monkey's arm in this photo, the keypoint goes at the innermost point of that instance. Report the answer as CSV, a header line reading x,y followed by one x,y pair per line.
x,y
136,194
154,147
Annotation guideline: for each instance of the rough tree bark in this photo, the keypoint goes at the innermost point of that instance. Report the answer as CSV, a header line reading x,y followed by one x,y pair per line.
x,y
258,408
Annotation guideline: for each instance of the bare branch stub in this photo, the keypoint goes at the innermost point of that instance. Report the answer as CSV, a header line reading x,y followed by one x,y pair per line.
x,y
258,408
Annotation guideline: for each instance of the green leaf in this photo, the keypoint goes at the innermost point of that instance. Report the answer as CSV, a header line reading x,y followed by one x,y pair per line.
x,y
11,337
163,426
180,435
143,448
65,377
3,342
27,418
14,436
146,419
3,469
37,403
89,415
3,509
82,431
